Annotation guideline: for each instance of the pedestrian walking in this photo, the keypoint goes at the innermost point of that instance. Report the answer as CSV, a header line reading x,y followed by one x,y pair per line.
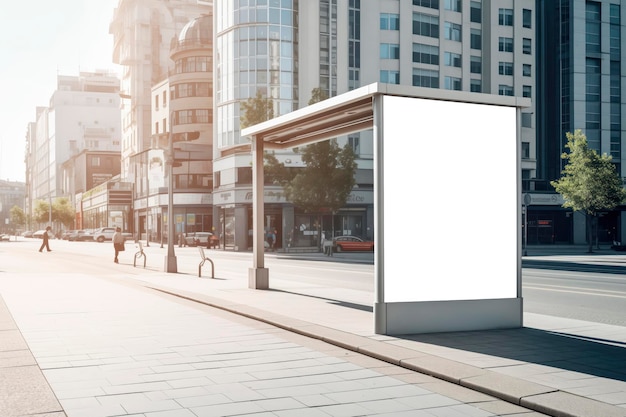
x,y
118,243
46,240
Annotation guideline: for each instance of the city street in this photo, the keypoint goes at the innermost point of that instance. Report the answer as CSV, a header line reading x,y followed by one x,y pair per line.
x,y
108,346
122,340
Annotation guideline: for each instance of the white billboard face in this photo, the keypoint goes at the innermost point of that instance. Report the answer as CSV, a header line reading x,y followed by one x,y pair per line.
x,y
456,236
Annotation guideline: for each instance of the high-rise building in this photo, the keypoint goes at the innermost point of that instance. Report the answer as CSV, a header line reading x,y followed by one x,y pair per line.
x,y
83,115
285,49
144,32
581,83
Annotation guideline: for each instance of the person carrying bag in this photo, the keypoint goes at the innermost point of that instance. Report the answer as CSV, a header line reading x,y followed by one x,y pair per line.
x,y
118,243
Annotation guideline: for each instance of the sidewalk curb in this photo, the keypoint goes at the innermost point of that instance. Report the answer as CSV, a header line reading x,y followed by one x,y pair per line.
x,y
516,391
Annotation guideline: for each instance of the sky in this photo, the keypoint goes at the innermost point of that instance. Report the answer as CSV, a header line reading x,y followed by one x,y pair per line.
x,y
40,39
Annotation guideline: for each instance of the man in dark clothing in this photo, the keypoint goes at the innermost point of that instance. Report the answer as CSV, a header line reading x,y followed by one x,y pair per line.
x,y
46,237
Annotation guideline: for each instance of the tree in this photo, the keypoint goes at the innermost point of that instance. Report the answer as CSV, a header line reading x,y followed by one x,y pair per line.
x,y
18,217
256,110
589,182
41,212
327,178
61,212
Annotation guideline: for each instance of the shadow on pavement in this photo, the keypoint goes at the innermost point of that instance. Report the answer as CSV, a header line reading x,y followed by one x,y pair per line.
x,y
601,358
340,303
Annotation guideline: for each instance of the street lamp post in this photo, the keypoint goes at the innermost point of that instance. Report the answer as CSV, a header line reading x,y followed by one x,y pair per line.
x,y
170,259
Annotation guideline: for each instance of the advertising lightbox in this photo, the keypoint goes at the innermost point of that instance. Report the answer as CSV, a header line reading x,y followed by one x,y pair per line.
x,y
450,200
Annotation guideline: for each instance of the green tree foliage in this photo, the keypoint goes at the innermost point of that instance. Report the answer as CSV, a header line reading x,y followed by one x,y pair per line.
x,y
18,217
41,212
256,110
328,176
326,180
589,182
62,212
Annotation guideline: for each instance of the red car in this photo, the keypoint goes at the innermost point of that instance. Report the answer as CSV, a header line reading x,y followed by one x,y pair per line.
x,y
352,243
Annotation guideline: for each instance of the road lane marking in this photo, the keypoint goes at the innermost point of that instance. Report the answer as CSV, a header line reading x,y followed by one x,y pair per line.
x,y
586,291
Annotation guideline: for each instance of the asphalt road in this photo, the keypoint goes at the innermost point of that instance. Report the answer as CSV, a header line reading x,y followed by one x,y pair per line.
x,y
579,290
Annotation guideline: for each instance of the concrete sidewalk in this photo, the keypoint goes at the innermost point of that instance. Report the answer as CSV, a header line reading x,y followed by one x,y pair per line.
x,y
553,366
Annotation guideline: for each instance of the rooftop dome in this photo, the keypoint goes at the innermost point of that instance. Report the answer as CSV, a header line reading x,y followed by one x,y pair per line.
x,y
198,30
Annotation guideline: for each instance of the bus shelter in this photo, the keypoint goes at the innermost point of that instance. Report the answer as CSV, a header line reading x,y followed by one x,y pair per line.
x,y
438,270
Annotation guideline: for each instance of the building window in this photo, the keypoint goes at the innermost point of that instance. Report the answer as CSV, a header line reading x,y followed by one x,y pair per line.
x,y
505,68
425,54
505,90
475,39
505,17
95,161
453,31
425,78
156,128
426,25
452,60
592,26
432,4
389,77
452,83
156,102
527,120
526,70
389,21
476,65
476,86
525,150
527,91
475,12
354,141
164,99
505,44
454,5
527,46
389,51
527,18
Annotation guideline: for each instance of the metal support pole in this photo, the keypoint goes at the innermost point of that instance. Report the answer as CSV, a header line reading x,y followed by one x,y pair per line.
x,y
170,260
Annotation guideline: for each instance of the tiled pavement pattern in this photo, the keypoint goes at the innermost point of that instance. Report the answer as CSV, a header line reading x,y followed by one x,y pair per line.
x,y
110,349
554,365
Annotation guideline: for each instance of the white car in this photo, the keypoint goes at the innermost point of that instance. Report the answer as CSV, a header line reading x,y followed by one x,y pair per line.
x,y
103,233
5,237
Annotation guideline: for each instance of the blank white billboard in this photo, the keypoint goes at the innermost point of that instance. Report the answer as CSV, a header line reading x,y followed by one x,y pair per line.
x,y
450,200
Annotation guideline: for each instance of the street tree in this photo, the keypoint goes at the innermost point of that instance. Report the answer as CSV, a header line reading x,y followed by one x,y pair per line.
x,y
18,217
61,212
327,178
589,183
256,110
41,211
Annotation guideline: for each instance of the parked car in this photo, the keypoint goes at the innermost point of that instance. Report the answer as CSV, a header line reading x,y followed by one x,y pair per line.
x,y
5,237
28,233
352,243
207,239
103,233
39,234
66,234
80,236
